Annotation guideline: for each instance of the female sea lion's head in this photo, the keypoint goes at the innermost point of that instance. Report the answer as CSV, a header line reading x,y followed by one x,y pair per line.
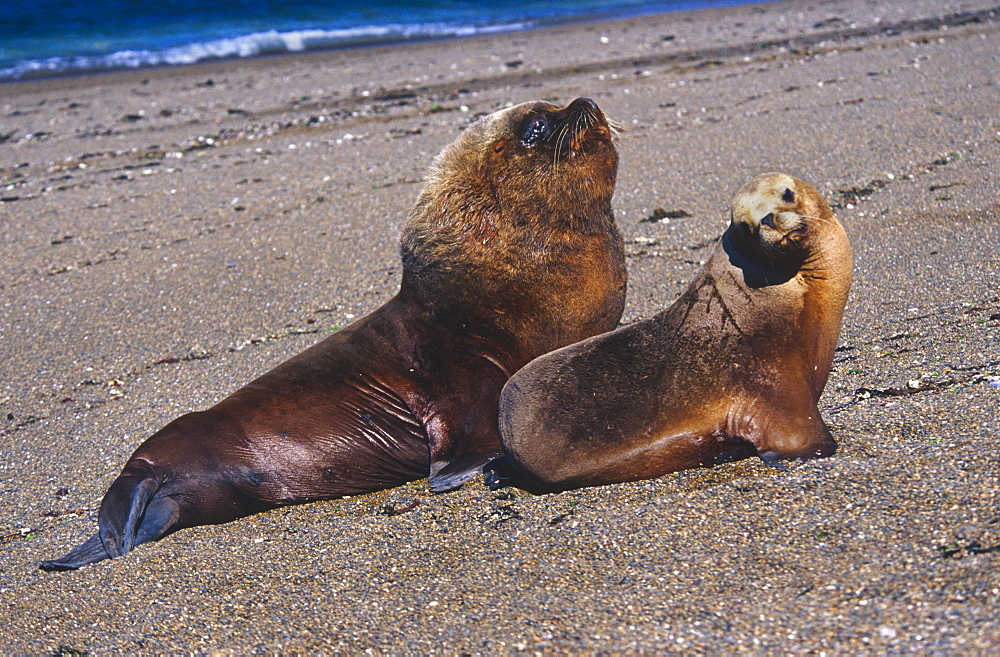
x,y
531,163
777,216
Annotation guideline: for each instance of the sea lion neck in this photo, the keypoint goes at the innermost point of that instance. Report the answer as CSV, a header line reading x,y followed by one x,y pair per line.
x,y
756,268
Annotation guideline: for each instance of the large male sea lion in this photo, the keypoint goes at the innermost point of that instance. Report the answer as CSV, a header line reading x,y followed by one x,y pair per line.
x,y
511,251
735,366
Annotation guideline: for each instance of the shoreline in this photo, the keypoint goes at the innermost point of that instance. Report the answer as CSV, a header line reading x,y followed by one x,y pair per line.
x,y
169,235
500,30
226,65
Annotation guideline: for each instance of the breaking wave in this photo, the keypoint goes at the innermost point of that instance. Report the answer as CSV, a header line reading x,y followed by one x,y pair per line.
x,y
251,45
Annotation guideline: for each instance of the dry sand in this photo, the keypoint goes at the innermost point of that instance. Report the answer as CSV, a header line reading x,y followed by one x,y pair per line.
x,y
170,234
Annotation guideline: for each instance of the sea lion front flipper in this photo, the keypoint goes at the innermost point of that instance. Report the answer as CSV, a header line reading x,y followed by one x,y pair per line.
x,y
773,459
789,436
499,473
91,551
446,475
464,437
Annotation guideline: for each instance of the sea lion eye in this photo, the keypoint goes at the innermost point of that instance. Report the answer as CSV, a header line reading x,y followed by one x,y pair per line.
x,y
788,196
536,130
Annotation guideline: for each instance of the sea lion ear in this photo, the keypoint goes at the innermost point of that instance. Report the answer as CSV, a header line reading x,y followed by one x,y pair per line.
x,y
788,196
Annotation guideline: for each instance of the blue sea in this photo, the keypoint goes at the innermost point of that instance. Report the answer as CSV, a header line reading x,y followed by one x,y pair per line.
x,y
51,37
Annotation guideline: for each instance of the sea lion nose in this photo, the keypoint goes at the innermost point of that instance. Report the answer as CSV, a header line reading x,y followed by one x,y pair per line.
x,y
584,101
768,220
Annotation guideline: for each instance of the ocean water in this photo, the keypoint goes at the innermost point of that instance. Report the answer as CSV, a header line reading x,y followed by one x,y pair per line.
x,y
50,37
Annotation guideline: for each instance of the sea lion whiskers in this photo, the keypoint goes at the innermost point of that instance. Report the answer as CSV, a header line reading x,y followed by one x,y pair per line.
x,y
562,130
619,133
817,219
803,227
568,126
573,126
789,226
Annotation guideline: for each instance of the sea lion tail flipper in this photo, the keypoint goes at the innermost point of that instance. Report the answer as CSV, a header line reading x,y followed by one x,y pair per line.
x,y
131,514
88,552
446,475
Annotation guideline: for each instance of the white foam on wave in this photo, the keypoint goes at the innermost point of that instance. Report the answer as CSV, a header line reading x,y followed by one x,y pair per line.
x,y
251,45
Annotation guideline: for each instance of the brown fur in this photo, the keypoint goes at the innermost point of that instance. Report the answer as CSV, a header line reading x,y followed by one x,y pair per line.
x,y
734,367
510,251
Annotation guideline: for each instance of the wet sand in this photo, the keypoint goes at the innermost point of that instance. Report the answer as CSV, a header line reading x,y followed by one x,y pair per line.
x,y
170,234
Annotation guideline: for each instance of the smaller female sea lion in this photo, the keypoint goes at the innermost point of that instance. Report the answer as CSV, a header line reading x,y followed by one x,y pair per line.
x,y
511,251
734,367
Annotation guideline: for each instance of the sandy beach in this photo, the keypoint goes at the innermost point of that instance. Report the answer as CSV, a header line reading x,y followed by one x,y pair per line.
x,y
170,234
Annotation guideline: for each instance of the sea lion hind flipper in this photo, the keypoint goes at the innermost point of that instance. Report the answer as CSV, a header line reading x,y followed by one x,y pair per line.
x,y
88,552
131,514
447,475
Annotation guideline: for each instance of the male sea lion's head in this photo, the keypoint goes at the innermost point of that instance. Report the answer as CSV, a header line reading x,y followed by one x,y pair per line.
x,y
530,164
